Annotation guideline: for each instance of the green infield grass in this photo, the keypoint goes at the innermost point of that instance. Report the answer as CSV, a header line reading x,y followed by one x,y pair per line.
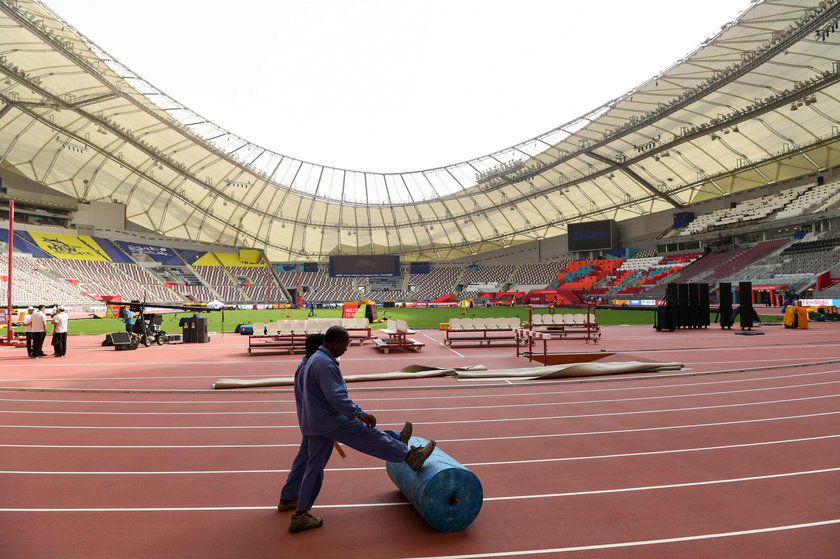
x,y
417,318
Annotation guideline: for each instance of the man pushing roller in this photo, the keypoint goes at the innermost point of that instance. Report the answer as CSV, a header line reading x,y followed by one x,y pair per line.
x,y
326,414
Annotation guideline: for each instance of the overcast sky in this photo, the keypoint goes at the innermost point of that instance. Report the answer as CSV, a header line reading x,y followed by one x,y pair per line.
x,y
395,85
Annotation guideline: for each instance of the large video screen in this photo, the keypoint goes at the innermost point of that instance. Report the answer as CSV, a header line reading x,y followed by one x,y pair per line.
x,y
371,266
592,235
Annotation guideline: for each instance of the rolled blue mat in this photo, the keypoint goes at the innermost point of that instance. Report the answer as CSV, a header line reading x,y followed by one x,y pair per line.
x,y
446,494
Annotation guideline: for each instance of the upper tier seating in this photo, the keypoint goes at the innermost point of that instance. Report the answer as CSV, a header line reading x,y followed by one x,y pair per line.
x,y
744,212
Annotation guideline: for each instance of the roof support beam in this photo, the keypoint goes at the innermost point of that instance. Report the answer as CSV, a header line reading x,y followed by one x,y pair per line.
x,y
636,177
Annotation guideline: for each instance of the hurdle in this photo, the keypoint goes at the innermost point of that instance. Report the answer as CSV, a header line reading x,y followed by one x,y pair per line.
x,y
529,338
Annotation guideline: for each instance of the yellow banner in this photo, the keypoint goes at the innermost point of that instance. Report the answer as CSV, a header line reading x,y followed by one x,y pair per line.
x,y
207,260
249,256
70,247
232,259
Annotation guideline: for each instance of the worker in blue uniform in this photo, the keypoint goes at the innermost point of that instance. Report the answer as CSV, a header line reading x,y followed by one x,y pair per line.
x,y
291,489
326,415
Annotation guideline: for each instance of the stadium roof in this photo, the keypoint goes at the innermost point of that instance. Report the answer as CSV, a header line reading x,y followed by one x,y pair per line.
x,y
755,104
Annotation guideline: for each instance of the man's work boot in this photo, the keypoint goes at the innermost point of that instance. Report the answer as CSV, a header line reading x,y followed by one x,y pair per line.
x,y
305,522
284,505
405,434
418,455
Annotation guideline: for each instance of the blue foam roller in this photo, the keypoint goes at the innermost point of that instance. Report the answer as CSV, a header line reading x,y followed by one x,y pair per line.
x,y
446,494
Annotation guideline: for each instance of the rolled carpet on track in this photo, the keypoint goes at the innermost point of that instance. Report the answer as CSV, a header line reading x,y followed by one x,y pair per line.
x,y
446,494
567,370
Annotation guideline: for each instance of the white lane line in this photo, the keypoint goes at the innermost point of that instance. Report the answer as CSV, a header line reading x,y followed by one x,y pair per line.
x,y
441,344
500,406
637,543
151,446
468,464
638,412
447,347
666,486
453,351
205,364
476,383
204,402
249,412
590,390
643,429
409,398
477,439
452,422
486,499
654,452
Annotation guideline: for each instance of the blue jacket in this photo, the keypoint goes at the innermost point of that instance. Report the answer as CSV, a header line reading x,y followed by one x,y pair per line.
x,y
321,395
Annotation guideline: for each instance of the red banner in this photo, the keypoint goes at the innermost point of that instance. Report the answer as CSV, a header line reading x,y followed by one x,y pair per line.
x,y
348,310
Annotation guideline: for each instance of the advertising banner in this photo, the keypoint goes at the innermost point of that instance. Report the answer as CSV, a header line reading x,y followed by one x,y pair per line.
x,y
349,310
69,247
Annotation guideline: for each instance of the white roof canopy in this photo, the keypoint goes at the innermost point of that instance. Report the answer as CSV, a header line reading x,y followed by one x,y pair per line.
x,y
756,103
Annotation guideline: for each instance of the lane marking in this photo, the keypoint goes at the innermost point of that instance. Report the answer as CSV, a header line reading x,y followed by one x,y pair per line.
x,y
637,543
295,445
453,422
470,464
644,429
665,486
151,446
655,452
492,499
476,383
407,398
250,412
502,406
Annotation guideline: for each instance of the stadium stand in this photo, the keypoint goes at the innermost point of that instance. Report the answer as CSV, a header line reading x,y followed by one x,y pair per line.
x,y
537,274
439,281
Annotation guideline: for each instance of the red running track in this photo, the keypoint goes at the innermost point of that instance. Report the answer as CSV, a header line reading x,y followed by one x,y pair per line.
x,y
108,454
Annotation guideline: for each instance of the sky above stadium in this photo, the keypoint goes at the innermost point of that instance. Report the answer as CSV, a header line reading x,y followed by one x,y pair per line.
x,y
390,85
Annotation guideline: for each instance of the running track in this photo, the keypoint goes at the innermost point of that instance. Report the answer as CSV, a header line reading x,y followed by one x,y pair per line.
x,y
108,454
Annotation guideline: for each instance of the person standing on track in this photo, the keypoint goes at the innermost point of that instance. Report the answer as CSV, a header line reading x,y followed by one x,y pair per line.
x,y
27,329
59,337
326,414
38,325
128,318
290,491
